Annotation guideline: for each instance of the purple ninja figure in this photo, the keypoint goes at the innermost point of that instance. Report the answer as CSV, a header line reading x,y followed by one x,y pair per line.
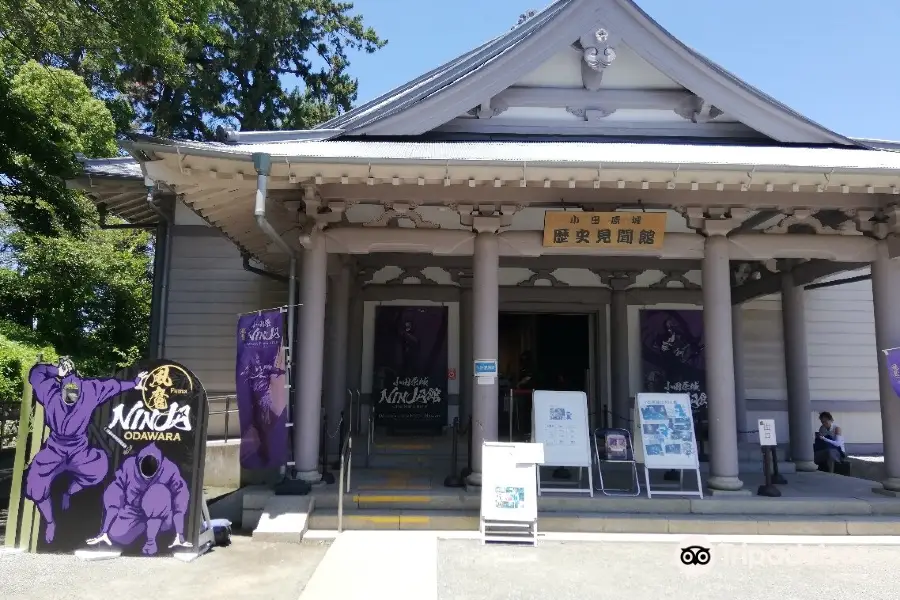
x,y
69,402
260,376
147,497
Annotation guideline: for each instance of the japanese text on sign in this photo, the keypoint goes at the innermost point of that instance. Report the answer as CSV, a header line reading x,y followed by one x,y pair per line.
x,y
639,230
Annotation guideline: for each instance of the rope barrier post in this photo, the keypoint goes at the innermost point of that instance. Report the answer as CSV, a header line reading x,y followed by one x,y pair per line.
x,y
327,476
767,489
453,480
467,470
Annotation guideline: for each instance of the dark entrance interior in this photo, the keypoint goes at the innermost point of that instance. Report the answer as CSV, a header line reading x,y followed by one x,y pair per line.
x,y
545,351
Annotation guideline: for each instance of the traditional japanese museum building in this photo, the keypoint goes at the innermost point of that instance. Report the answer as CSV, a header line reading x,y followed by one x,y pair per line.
x,y
553,190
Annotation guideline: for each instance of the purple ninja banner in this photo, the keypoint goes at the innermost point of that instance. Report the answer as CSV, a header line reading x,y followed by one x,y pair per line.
x,y
892,358
118,463
261,390
673,358
410,383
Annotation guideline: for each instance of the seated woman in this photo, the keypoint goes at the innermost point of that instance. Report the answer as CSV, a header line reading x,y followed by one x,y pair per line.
x,y
828,448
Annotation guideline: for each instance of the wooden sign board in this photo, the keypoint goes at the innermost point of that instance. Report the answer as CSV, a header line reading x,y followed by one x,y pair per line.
x,y
614,230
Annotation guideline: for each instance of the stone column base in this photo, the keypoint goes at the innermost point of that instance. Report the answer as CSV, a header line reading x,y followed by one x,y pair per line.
x,y
805,465
311,477
474,478
889,487
725,484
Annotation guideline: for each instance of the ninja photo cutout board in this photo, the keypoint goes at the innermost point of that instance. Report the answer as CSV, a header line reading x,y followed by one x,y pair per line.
x,y
120,463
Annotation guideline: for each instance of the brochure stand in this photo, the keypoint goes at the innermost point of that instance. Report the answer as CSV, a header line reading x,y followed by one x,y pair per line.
x,y
665,429
509,492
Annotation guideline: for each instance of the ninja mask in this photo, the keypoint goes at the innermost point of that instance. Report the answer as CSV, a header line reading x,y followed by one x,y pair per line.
x,y
70,394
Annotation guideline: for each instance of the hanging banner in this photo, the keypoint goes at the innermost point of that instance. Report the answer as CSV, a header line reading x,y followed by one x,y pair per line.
x,y
260,381
110,463
892,357
616,230
673,359
410,379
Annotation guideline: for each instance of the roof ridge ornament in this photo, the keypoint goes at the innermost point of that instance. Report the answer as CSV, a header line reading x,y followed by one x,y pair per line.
x,y
524,17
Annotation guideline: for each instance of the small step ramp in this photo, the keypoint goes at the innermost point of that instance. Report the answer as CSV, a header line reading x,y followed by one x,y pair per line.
x,y
284,519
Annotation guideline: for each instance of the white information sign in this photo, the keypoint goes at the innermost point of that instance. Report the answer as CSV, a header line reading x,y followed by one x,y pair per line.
x,y
509,492
509,481
667,431
560,422
767,432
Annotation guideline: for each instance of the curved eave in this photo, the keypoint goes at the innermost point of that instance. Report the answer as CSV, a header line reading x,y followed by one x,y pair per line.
x,y
119,185
452,89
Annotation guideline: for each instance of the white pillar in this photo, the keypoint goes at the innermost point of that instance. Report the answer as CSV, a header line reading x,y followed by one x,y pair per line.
x,y
311,345
796,367
723,460
485,343
885,292
336,367
740,388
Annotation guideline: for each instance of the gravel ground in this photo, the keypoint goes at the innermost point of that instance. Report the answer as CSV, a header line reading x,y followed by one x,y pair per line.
x,y
245,570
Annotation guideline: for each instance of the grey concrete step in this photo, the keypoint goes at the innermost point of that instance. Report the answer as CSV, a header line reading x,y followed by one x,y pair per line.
x,y
696,524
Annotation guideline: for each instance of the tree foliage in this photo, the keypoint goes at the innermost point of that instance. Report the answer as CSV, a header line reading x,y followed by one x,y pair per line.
x,y
75,75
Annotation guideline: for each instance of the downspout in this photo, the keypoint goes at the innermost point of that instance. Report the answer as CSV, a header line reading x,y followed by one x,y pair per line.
x,y
827,284
263,165
163,235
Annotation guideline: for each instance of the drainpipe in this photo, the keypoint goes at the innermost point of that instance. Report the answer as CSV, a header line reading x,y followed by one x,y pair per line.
x,y
263,165
164,248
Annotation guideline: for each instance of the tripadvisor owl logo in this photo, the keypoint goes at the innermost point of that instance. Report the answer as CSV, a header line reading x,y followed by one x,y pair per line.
x,y
162,413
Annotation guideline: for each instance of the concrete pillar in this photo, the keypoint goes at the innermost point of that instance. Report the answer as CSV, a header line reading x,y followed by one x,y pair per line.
x,y
466,356
885,291
311,344
740,388
354,352
723,460
618,344
796,367
336,367
485,343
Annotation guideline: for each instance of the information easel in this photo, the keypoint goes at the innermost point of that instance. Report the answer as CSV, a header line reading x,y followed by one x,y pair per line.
x,y
559,421
665,434
509,492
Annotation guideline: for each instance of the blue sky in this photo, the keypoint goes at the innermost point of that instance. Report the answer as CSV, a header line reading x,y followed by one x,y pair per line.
x,y
832,60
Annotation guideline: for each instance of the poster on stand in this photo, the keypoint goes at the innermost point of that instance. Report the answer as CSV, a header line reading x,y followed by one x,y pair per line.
x,y
560,423
673,357
261,385
509,481
667,431
109,463
410,364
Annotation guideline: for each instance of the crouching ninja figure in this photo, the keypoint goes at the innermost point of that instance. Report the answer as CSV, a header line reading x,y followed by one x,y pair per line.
x,y
69,402
147,497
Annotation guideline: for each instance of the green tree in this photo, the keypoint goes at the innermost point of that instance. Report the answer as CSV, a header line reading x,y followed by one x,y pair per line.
x,y
241,75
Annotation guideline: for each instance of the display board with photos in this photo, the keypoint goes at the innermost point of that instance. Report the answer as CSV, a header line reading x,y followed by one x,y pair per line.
x,y
667,431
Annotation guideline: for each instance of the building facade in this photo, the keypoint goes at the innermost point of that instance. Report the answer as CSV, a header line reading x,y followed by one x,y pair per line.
x,y
438,193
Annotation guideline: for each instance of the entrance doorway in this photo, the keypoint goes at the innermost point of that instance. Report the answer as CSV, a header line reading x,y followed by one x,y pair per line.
x,y
545,351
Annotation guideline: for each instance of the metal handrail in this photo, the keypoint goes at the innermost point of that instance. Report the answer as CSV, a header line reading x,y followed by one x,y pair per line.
x,y
344,475
370,434
225,412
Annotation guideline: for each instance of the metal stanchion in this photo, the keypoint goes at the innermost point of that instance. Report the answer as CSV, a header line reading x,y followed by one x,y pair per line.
x,y
767,488
467,470
327,476
453,479
777,478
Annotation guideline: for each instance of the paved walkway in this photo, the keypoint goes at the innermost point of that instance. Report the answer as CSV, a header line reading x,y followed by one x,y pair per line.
x,y
419,565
